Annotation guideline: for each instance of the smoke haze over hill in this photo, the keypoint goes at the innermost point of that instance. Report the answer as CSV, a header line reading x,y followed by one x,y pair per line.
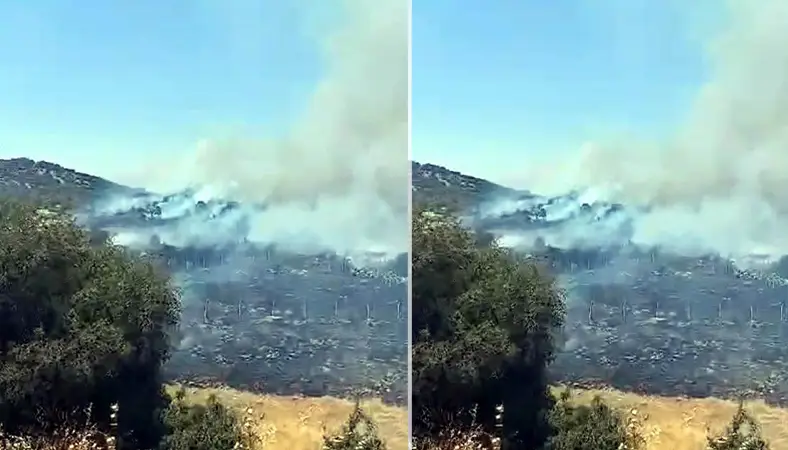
x,y
340,175
721,177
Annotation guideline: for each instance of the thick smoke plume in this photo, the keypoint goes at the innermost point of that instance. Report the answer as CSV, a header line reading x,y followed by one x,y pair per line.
x,y
340,176
722,177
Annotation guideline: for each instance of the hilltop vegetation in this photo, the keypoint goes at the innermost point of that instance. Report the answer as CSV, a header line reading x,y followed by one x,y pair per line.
x,y
485,328
444,190
85,328
48,184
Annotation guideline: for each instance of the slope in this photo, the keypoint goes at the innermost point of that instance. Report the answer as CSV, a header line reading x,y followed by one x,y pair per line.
x,y
52,184
264,308
647,312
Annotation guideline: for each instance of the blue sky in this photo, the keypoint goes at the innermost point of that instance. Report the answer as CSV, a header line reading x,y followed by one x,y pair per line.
x,y
104,85
497,83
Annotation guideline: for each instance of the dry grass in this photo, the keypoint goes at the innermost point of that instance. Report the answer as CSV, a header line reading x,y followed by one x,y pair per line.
x,y
672,423
279,423
683,424
295,423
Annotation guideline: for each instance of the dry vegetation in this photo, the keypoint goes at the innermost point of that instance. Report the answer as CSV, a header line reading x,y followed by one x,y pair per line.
x,y
673,423
286,423
299,423
294,423
683,424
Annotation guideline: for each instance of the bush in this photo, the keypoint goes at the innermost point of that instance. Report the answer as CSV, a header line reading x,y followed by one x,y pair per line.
x,y
743,433
589,427
83,326
358,433
204,427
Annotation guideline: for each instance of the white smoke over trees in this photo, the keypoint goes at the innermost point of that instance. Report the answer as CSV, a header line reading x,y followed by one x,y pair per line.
x,y
342,170
723,175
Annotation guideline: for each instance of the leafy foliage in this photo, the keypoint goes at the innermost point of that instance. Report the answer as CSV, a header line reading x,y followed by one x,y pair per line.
x,y
204,427
589,427
358,433
82,327
484,329
743,433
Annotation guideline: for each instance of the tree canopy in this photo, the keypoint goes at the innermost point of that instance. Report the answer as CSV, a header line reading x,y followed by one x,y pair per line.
x,y
82,327
485,327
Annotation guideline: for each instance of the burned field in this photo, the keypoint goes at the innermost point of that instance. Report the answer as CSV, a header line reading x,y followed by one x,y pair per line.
x,y
650,320
318,327
663,324
263,318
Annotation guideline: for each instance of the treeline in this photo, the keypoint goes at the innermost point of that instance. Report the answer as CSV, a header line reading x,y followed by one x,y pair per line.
x,y
85,328
486,326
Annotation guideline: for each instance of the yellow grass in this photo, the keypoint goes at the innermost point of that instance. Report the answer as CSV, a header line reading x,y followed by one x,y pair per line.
x,y
279,423
295,423
683,424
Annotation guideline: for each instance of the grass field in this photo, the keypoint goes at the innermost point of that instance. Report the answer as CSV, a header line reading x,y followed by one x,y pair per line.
x,y
296,423
664,422
683,424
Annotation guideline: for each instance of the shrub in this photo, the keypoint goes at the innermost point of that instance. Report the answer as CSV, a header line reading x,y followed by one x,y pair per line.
x,y
589,427
743,433
358,433
204,427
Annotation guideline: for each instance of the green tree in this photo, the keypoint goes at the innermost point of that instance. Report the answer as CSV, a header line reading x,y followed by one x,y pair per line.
x,y
83,326
485,325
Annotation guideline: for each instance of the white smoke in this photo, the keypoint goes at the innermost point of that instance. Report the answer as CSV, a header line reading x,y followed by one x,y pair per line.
x,y
339,178
721,181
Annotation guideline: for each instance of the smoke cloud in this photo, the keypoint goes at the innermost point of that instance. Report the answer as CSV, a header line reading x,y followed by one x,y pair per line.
x,y
340,175
722,177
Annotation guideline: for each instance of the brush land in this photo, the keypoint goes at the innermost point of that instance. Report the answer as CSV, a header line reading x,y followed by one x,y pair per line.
x,y
296,423
679,423
299,423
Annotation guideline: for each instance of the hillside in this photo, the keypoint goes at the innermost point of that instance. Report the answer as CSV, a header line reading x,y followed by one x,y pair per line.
x,y
667,338
447,190
42,181
645,318
251,311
